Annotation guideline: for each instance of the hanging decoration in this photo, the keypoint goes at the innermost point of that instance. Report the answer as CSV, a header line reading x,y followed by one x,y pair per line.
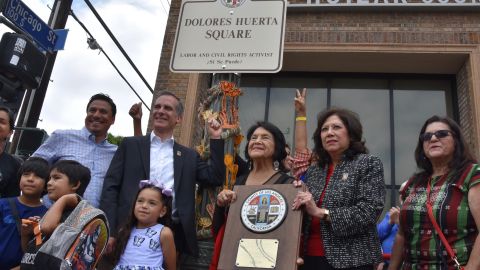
x,y
220,104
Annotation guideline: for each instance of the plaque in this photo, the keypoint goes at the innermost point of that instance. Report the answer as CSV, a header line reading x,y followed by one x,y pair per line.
x,y
262,231
257,253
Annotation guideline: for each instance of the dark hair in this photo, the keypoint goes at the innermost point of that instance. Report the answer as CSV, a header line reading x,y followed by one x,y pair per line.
x,y
461,153
106,98
355,132
179,109
125,231
75,172
36,165
279,153
11,116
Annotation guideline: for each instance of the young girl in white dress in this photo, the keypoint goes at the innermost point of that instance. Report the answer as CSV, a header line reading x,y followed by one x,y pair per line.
x,y
146,242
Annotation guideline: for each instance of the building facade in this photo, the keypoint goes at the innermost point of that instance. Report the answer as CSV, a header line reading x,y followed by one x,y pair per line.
x,y
395,63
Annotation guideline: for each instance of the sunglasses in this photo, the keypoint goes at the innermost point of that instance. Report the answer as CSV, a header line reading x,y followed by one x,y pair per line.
x,y
427,136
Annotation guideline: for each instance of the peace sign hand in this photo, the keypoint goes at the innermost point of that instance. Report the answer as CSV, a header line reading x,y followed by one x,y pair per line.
x,y
300,105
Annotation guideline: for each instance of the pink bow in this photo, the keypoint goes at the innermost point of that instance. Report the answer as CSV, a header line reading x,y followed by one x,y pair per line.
x,y
165,191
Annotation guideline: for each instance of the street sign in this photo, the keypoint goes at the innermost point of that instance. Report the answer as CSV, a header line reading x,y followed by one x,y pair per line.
x,y
226,36
22,16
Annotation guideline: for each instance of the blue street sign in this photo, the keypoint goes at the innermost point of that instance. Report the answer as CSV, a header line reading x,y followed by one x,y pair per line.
x,y
22,16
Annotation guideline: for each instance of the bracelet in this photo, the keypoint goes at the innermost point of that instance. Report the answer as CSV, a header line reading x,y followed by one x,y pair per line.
x,y
301,118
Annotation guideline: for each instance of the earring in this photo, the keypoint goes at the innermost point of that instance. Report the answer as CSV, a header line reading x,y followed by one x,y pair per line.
x,y
276,164
249,165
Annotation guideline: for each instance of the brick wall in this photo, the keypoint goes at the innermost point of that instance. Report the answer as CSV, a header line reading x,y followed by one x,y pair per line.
x,y
384,27
203,85
465,105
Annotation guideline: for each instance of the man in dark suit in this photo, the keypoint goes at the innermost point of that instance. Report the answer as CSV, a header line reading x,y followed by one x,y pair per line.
x,y
158,156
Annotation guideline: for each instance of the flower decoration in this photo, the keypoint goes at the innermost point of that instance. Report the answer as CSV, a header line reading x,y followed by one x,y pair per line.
x,y
154,182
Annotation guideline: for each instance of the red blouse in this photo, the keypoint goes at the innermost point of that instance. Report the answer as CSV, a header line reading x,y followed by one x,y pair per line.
x,y
315,242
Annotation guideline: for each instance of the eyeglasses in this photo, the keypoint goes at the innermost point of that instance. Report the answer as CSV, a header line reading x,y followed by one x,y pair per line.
x,y
427,136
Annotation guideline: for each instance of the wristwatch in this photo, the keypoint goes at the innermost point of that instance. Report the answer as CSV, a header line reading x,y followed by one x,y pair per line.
x,y
326,214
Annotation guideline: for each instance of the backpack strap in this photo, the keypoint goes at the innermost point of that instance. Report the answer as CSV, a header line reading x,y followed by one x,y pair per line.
x,y
13,208
37,233
83,213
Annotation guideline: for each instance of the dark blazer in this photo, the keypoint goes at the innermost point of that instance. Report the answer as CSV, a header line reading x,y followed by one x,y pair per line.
x,y
354,196
131,163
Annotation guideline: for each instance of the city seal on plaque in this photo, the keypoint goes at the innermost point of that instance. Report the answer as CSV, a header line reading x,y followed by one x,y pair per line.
x,y
232,3
263,211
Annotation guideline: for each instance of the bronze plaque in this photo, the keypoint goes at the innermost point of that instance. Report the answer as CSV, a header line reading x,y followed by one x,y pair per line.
x,y
257,253
262,230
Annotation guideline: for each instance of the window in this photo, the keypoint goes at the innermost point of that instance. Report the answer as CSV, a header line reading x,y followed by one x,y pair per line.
x,y
392,109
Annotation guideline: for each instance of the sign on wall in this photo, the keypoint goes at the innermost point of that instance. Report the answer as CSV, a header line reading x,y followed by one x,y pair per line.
x,y
230,36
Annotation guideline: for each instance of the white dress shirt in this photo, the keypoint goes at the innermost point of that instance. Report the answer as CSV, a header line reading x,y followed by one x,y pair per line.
x,y
161,160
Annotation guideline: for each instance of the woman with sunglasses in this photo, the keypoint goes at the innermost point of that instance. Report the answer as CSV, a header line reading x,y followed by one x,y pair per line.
x,y
440,216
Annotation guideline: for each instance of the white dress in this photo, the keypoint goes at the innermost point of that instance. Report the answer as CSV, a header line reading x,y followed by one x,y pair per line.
x,y
143,250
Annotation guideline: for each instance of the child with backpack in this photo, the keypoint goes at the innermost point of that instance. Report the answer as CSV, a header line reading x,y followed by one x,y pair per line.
x,y
33,176
146,241
68,180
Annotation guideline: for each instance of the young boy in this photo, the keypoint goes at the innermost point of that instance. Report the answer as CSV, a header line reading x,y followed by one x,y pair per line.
x,y
9,165
68,180
33,176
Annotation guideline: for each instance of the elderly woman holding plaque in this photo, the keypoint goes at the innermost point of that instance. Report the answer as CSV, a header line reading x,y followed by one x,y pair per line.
x,y
344,197
265,151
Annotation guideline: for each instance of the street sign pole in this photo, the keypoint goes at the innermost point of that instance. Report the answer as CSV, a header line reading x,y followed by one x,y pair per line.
x,y
58,20
33,102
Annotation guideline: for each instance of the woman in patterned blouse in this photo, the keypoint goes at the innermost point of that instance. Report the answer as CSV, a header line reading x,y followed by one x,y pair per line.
x,y
345,196
448,182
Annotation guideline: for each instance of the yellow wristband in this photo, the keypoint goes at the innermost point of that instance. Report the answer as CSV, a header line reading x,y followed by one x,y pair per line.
x,y
301,118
